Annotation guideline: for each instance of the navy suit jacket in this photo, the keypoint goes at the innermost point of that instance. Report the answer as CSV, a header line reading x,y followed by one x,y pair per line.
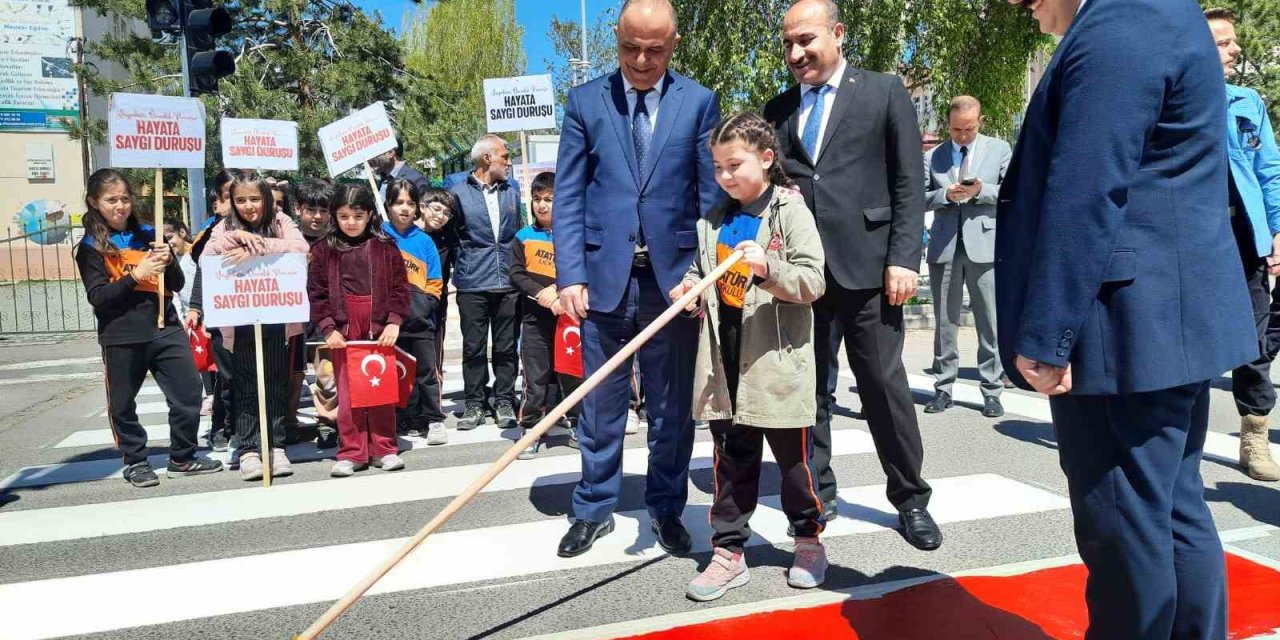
x,y
602,196
1114,252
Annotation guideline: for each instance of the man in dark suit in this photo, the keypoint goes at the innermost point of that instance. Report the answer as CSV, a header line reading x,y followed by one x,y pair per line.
x,y
391,166
634,174
1115,298
850,141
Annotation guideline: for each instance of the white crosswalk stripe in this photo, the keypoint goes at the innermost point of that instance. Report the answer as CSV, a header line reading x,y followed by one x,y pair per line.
x,y
319,574
519,548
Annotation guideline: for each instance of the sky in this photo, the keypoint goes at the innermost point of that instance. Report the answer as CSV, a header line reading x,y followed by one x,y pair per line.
x,y
533,15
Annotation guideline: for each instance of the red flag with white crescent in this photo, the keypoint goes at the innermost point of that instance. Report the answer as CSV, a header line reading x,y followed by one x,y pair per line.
x,y
568,346
372,375
201,350
406,368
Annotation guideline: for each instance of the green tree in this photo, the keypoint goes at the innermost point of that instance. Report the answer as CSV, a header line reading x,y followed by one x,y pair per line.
x,y
311,62
1258,27
974,46
566,40
450,48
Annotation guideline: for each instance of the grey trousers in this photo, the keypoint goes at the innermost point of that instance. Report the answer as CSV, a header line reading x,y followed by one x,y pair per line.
x,y
947,281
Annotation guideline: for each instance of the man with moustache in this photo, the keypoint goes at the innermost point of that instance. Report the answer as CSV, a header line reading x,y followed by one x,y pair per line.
x,y
634,174
1114,299
850,140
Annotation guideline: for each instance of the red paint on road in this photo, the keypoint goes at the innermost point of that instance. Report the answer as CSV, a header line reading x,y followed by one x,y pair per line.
x,y
1040,605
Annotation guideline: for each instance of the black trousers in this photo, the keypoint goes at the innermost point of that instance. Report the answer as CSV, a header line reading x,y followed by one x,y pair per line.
x,y
1251,383
484,313
543,387
739,450
1141,523
223,390
873,339
277,363
424,402
169,360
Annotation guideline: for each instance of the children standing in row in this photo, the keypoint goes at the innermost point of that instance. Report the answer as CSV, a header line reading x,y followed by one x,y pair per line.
x,y
120,264
254,228
359,291
755,349
533,273
422,416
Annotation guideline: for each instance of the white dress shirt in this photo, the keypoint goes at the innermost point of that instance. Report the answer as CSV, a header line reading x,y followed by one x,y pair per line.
x,y
808,100
652,100
494,205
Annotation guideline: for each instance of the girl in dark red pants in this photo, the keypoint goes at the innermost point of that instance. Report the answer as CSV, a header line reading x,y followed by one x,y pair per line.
x,y
359,290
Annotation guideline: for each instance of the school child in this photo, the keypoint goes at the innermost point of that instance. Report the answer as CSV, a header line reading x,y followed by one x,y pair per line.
x,y
222,427
753,377
533,273
120,264
359,291
437,207
418,334
313,199
178,237
254,228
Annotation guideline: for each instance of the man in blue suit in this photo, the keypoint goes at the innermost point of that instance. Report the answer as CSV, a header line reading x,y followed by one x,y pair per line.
x,y
1114,297
633,176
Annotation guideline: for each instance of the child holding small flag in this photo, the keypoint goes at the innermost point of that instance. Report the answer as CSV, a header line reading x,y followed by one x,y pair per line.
x,y
533,273
358,290
418,334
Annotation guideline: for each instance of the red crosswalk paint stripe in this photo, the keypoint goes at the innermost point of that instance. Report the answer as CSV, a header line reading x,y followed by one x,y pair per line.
x,y
1041,605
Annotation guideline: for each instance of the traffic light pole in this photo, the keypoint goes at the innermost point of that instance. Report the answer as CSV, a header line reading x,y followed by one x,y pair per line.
x,y
196,200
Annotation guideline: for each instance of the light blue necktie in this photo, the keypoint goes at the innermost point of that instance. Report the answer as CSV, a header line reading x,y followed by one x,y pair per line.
x,y
813,125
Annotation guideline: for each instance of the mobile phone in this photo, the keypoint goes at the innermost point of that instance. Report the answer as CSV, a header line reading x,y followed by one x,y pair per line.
x,y
969,182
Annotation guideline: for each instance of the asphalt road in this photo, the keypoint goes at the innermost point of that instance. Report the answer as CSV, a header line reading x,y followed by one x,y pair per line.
x,y
215,557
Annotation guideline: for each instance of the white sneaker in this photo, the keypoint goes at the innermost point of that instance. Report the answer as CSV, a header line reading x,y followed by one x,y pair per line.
x,y
809,569
437,434
633,422
390,462
343,469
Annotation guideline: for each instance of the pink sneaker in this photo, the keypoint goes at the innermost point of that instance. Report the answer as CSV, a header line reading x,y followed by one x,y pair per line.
x,y
726,571
809,569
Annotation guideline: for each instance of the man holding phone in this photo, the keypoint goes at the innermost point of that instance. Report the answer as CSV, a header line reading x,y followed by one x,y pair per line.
x,y
962,177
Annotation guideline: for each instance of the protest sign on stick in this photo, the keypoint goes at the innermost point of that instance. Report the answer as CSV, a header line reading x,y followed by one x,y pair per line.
x,y
532,436
520,104
259,144
269,289
159,132
357,139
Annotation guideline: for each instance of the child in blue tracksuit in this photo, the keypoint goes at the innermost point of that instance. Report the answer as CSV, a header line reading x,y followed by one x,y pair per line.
x,y
418,335
533,273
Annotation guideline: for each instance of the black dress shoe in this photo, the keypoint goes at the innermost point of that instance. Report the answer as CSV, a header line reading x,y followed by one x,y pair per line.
x,y
672,536
581,536
941,402
992,408
829,511
919,529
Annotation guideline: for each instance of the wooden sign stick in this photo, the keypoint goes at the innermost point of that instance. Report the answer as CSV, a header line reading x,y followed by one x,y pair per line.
x,y
502,463
158,222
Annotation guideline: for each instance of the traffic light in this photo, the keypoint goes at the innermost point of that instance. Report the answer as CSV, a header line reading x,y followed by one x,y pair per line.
x,y
203,25
164,15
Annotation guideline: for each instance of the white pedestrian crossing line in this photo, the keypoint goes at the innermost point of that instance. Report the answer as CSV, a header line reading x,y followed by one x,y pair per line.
x,y
108,601
372,488
1218,446
51,377
91,470
46,364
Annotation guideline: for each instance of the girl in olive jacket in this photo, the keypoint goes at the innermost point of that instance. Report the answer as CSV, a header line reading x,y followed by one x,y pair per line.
x,y
754,375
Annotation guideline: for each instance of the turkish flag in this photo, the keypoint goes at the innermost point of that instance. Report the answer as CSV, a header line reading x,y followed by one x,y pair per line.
x,y
201,351
371,374
407,368
568,346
